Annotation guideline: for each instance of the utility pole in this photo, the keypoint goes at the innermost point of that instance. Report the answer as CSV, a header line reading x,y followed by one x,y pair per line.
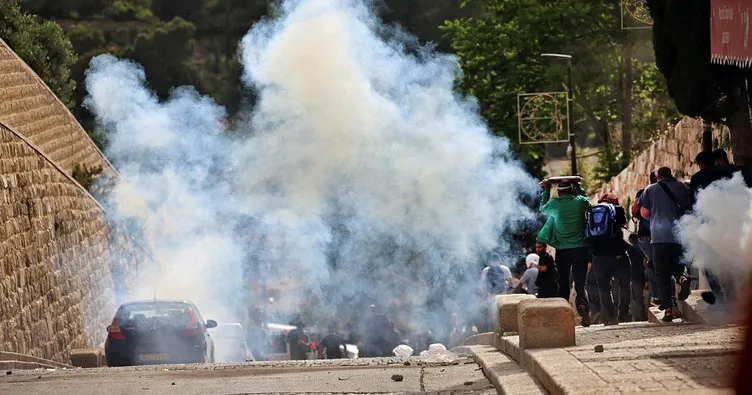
x,y
627,84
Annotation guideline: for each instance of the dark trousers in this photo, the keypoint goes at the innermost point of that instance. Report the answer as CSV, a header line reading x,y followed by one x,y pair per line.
x,y
606,268
574,261
638,279
591,286
667,262
722,287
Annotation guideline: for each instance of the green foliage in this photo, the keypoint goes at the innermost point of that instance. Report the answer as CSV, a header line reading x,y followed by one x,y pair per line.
x,y
168,9
165,53
500,51
124,10
42,45
609,165
86,39
86,176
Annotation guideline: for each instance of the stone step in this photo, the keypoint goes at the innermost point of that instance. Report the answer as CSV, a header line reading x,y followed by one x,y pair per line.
x,y
504,372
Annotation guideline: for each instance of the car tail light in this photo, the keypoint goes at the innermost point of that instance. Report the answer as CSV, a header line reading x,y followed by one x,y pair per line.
x,y
115,332
192,328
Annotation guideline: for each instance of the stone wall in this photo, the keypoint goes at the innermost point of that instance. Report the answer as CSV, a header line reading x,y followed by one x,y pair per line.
x,y
29,107
56,285
676,149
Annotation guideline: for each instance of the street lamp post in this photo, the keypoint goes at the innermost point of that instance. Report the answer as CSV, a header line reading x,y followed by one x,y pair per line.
x,y
570,106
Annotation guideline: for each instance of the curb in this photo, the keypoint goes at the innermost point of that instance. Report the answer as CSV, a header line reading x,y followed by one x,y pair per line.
x,y
24,365
503,372
7,356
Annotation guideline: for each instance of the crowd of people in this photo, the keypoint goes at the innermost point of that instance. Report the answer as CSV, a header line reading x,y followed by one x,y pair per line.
x,y
611,274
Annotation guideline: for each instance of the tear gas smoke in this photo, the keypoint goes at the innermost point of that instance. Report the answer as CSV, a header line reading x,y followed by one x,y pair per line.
x,y
366,177
715,236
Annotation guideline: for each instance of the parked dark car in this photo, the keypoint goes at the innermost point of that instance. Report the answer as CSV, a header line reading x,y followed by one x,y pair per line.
x,y
158,332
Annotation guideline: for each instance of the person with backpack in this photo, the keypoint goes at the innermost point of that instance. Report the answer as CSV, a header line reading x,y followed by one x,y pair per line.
x,y
663,203
565,231
603,231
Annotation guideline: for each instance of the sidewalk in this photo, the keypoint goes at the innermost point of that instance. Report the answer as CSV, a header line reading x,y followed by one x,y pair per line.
x,y
636,358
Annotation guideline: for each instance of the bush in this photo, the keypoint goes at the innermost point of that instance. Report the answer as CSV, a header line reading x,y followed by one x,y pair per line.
x,y
42,45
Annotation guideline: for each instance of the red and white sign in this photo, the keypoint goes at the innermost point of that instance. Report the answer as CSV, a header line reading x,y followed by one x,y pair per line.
x,y
730,32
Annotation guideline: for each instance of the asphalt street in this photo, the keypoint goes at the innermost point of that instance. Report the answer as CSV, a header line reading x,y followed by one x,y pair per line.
x,y
375,376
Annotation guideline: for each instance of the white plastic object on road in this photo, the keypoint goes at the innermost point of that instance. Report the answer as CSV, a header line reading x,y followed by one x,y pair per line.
x,y
436,347
403,351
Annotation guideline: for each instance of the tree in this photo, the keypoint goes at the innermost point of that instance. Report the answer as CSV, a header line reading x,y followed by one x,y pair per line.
x,y
500,51
681,37
42,45
165,54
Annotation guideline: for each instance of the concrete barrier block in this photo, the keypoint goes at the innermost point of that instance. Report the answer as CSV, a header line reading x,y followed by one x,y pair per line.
x,y
86,358
505,318
546,323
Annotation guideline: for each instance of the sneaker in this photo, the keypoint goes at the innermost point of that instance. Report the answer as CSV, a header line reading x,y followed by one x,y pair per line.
x,y
585,320
708,297
655,301
625,317
676,311
595,318
613,320
685,284
668,315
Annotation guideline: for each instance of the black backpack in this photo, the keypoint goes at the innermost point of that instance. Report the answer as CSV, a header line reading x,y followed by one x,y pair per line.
x,y
600,223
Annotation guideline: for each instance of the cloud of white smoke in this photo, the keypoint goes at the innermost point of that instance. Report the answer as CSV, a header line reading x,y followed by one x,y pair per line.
x,y
715,235
366,176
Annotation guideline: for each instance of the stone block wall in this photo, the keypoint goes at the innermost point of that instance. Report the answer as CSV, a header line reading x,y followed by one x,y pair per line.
x,y
676,149
56,286
29,107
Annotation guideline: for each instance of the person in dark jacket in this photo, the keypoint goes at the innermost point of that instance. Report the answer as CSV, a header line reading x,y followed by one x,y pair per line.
x,y
334,345
548,277
638,265
610,261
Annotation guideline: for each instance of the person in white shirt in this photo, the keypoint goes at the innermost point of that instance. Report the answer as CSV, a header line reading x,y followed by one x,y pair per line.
x,y
530,276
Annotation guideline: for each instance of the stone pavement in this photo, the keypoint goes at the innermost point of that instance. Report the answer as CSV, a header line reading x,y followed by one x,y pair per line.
x,y
636,358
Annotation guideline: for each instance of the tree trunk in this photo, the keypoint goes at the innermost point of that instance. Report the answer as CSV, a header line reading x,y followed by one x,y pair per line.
x,y
741,130
627,83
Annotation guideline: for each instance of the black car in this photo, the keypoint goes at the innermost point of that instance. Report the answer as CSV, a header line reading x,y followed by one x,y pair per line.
x,y
158,332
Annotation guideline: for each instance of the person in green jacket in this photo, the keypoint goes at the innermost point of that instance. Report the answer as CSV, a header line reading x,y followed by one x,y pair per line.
x,y
565,231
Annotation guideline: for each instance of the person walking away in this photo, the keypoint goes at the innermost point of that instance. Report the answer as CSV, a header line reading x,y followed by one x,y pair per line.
x,y
722,163
721,288
663,203
528,279
567,236
331,344
547,280
638,263
298,341
603,231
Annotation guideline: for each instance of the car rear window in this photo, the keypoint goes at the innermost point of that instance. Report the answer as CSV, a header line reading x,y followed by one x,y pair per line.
x,y
162,310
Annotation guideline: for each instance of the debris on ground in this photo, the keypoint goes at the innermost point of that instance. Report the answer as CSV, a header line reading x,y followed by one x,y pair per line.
x,y
397,377
437,353
403,351
469,382
599,348
8,373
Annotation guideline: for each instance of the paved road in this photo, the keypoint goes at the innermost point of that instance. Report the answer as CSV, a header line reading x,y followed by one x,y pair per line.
x,y
345,376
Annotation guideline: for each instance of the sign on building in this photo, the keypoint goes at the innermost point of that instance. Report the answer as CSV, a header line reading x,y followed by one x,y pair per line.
x,y
543,117
729,32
